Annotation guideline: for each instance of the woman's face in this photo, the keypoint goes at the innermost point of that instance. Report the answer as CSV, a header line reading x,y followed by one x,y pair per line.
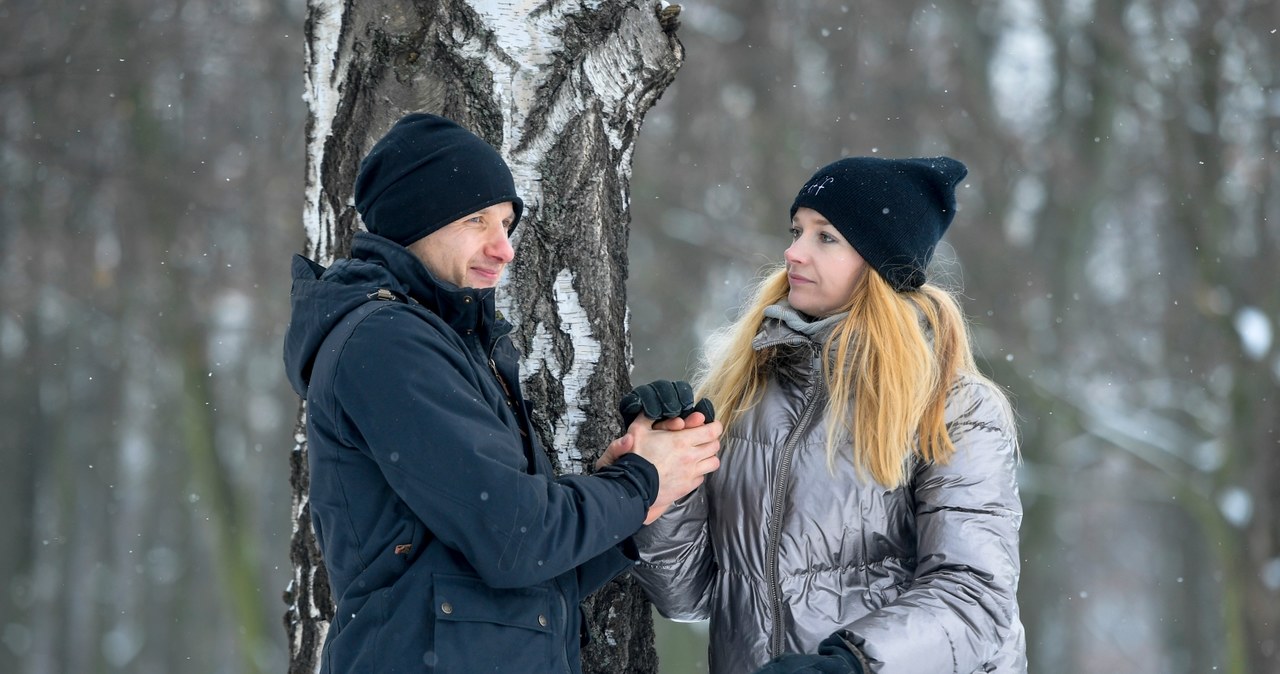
x,y
821,266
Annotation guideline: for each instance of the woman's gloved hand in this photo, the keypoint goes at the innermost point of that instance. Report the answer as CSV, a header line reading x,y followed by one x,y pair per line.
x,y
662,399
834,656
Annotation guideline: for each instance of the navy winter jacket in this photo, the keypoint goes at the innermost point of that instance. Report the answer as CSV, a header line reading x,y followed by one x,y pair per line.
x,y
450,545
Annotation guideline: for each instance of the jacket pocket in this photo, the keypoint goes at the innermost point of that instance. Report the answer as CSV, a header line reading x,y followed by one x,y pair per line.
x,y
483,629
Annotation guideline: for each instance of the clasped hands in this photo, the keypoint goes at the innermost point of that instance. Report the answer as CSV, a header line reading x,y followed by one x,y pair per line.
x,y
678,436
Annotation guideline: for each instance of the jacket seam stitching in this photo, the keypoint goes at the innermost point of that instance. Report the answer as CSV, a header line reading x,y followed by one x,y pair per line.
x,y
342,435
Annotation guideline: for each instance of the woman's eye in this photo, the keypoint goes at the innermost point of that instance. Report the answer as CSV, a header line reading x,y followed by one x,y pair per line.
x,y
827,238
795,233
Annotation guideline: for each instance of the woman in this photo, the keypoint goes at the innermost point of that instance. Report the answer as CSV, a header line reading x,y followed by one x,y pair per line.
x,y
865,515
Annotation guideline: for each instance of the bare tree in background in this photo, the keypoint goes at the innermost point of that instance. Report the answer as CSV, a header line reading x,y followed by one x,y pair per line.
x,y
561,90
1118,243
145,174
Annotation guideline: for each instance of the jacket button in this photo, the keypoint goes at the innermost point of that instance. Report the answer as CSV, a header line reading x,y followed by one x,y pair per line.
x,y
542,620
446,608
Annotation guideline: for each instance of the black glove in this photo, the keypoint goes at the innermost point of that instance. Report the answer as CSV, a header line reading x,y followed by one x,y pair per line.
x,y
833,657
663,399
708,410
658,400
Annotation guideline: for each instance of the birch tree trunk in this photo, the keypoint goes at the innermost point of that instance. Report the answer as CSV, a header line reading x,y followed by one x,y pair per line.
x,y
561,89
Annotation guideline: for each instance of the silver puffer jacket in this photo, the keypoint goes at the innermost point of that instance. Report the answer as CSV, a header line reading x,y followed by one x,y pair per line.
x,y
779,553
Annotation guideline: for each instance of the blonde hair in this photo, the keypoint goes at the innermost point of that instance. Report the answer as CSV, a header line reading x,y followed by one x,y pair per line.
x,y
896,355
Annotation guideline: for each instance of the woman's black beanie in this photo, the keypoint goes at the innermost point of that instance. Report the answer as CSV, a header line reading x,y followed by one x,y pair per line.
x,y
426,173
892,211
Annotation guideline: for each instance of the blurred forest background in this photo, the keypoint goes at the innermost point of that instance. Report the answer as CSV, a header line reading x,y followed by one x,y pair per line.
x,y
1118,245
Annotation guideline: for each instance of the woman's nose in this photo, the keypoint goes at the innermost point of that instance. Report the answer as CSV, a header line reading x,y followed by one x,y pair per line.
x,y
793,254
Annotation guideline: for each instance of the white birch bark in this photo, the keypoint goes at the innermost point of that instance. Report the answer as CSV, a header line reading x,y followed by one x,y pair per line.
x,y
560,88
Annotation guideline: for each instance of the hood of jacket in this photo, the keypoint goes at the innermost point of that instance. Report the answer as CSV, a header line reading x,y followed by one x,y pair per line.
x,y
321,297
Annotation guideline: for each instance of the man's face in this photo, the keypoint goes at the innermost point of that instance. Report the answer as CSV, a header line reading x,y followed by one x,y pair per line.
x,y
470,252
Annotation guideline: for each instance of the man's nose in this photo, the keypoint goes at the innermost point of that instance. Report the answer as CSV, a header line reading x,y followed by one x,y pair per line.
x,y
500,247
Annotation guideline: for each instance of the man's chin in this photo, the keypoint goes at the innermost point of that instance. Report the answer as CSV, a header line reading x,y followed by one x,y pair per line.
x,y
484,282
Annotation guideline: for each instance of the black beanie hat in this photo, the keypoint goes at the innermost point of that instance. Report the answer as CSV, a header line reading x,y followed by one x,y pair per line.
x,y
426,173
892,211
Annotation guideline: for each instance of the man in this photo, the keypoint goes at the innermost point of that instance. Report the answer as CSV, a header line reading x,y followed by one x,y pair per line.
x,y
450,545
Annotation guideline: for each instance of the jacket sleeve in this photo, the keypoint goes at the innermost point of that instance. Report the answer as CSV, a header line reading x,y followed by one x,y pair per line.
x,y
603,568
962,606
677,566
413,400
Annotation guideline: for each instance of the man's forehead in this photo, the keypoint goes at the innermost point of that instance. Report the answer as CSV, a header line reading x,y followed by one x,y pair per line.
x,y
504,210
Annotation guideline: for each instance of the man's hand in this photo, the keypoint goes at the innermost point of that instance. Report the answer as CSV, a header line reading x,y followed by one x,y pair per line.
x,y
702,413
627,443
694,420
615,449
682,450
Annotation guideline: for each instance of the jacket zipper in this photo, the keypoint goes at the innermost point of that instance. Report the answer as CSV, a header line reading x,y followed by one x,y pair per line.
x,y
511,402
777,640
564,649
501,382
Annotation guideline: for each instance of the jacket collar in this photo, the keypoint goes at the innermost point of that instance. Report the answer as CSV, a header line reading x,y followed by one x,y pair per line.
x,y
784,325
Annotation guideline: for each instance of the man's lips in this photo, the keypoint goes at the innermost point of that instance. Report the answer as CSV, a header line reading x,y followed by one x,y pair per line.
x,y
487,273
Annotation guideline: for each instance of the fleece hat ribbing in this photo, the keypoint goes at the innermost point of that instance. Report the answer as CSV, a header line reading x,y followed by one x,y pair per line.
x,y
426,173
892,211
